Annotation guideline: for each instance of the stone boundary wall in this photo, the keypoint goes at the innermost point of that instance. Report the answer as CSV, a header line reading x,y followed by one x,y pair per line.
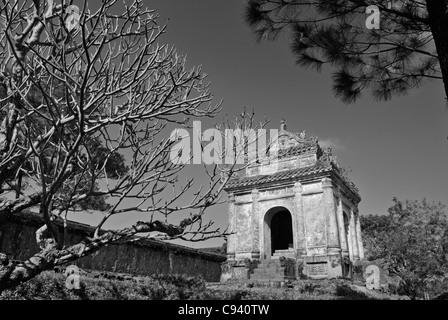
x,y
141,257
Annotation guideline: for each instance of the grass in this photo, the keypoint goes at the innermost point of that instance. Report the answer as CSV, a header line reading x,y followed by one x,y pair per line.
x,y
50,285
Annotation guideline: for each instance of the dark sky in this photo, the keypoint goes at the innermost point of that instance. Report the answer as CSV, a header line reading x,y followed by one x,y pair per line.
x,y
395,149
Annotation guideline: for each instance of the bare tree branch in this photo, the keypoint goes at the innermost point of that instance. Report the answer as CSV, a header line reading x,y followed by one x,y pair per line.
x,y
86,115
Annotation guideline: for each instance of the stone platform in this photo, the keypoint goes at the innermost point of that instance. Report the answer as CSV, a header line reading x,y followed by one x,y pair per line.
x,y
287,253
275,273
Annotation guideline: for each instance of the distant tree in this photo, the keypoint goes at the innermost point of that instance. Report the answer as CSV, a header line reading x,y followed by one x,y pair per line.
x,y
375,230
86,99
410,46
413,240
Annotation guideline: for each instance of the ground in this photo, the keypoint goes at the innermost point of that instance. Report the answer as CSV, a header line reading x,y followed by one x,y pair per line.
x,y
109,286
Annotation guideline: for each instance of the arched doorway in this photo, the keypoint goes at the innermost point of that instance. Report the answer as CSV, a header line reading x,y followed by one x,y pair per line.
x,y
278,231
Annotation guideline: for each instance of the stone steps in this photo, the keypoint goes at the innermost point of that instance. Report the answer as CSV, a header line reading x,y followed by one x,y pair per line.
x,y
272,283
269,271
265,276
283,253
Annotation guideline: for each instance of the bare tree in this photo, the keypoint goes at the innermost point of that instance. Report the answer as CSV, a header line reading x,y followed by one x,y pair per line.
x,y
86,101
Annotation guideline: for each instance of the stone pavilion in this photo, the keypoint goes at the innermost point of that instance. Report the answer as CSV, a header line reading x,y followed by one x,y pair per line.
x,y
299,208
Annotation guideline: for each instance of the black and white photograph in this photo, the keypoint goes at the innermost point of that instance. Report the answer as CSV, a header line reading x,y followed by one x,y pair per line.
x,y
240,158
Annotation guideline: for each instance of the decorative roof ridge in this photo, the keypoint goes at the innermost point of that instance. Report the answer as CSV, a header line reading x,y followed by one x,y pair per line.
x,y
300,137
290,151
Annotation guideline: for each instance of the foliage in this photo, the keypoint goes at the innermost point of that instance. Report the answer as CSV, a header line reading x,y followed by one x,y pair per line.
x,y
50,285
410,45
413,240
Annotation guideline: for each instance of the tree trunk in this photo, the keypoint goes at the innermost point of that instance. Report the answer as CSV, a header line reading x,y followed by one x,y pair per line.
x,y
438,22
13,273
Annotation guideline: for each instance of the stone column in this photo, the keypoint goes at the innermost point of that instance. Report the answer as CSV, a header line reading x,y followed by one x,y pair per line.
x,y
342,235
350,237
334,263
232,238
353,235
300,228
359,237
255,251
333,243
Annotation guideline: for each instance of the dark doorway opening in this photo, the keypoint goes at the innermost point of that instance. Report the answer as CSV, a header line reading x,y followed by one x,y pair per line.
x,y
281,231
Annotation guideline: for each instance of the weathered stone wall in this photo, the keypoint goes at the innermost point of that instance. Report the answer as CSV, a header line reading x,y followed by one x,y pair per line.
x,y
142,257
317,209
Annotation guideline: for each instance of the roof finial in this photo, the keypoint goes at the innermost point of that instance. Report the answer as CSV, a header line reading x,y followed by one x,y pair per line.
x,y
283,125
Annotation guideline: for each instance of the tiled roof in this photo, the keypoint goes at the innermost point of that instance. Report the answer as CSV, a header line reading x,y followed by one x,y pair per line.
x,y
320,167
